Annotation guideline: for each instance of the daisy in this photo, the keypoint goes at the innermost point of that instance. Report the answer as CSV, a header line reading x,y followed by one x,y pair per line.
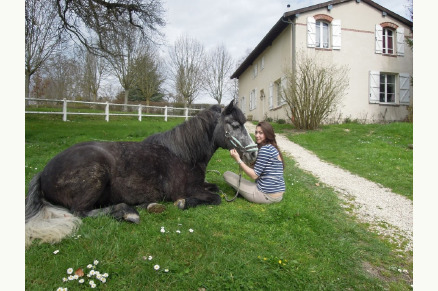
x,y
92,272
105,275
81,281
55,252
166,270
64,279
156,267
191,230
91,282
89,266
96,262
178,231
69,270
150,258
103,280
93,286
162,230
70,278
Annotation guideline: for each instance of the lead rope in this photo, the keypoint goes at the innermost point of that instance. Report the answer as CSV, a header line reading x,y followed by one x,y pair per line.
x,y
238,185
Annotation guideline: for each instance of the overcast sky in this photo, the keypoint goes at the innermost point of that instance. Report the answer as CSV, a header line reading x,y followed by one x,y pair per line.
x,y
239,24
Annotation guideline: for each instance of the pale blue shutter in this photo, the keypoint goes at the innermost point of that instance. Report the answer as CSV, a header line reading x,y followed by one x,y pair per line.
x,y
405,86
271,95
379,36
336,34
311,31
374,87
400,41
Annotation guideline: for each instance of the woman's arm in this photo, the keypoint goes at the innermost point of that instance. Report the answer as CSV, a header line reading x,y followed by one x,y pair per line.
x,y
249,171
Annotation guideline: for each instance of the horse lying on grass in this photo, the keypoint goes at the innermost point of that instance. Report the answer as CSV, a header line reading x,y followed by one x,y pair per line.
x,y
95,178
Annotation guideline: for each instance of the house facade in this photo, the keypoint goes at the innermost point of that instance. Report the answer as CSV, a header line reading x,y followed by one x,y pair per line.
x,y
361,34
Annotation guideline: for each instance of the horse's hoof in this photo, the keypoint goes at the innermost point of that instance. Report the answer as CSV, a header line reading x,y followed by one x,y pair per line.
x,y
132,217
156,208
181,203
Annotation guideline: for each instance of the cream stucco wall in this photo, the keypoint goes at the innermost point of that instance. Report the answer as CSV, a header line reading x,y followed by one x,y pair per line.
x,y
357,51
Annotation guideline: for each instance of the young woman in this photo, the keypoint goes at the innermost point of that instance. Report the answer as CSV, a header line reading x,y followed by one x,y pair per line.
x,y
268,169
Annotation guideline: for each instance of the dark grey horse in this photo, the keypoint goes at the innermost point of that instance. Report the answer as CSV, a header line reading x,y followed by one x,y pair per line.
x,y
94,178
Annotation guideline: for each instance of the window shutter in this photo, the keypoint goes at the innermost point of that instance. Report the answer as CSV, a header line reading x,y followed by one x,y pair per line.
x,y
374,87
405,86
250,100
242,105
379,36
255,99
311,31
271,95
336,34
400,41
283,87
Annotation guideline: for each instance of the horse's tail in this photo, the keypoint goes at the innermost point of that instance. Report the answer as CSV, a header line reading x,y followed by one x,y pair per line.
x,y
45,221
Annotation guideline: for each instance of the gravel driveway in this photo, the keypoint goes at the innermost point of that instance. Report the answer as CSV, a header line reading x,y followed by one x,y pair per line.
x,y
388,214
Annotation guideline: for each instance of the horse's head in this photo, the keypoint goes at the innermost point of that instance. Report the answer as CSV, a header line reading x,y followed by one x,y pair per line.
x,y
231,133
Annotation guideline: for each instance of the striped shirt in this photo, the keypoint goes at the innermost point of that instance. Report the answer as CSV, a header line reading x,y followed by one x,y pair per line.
x,y
270,170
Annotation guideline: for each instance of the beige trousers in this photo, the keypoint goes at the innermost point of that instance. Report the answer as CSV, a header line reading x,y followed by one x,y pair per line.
x,y
249,190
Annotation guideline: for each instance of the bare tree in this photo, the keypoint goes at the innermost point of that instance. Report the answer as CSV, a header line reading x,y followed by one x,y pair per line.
x,y
218,66
148,75
94,69
313,91
127,43
42,36
186,65
89,20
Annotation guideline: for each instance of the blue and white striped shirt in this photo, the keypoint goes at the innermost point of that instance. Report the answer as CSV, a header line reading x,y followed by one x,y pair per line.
x,y
270,170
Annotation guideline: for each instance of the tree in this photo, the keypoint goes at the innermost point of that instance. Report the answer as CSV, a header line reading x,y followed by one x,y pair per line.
x,y
127,43
313,91
93,70
95,22
42,36
148,77
218,66
186,65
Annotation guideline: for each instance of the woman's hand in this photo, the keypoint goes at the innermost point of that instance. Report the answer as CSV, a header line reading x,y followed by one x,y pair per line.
x,y
235,155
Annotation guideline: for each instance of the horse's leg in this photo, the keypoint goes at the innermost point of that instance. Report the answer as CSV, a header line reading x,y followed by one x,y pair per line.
x,y
121,211
211,187
197,196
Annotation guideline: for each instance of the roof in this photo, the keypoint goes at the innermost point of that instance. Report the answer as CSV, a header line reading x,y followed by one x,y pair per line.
x,y
282,24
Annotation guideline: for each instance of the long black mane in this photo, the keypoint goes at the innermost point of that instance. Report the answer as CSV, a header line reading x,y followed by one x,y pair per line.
x,y
191,140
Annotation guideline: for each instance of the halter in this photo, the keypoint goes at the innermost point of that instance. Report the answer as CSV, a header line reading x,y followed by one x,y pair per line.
x,y
249,148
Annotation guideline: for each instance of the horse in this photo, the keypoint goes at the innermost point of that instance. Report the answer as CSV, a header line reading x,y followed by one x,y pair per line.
x,y
113,178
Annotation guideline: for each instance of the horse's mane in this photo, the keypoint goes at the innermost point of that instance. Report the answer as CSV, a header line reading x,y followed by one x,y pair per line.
x,y
191,140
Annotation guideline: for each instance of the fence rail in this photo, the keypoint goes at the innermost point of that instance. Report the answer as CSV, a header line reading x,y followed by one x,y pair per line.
x,y
167,111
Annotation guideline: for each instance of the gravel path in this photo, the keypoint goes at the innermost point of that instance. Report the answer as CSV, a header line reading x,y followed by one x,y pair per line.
x,y
388,214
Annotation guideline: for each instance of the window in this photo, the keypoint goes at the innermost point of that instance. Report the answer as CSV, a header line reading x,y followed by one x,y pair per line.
x,y
387,41
387,88
390,39
322,34
255,70
242,105
262,63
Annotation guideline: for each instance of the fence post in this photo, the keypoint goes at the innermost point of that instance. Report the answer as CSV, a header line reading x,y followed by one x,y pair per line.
x,y
186,110
64,110
165,113
139,112
107,111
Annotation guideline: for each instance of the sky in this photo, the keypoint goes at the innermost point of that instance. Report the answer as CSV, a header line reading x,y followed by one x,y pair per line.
x,y
238,24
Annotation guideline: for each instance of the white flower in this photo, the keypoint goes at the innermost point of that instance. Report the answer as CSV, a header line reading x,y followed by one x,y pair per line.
x,y
103,280
178,231
166,270
162,230
93,285
105,275
75,277
81,281
55,252
69,270
96,262
150,258
70,278
191,230
64,279
60,289
156,267
91,282
92,272
89,266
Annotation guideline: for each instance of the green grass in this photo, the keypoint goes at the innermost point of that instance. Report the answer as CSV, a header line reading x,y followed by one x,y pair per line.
x,y
234,246
377,152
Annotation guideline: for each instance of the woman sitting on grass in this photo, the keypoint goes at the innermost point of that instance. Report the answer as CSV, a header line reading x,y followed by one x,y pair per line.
x,y
267,172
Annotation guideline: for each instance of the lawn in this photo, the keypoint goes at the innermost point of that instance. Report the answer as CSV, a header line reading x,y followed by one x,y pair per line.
x,y
377,152
306,242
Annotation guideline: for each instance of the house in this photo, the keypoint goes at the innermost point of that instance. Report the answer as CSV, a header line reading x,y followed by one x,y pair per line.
x,y
367,37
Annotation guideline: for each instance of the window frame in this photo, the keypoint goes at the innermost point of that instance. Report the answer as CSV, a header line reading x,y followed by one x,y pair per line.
x,y
386,86
319,31
385,41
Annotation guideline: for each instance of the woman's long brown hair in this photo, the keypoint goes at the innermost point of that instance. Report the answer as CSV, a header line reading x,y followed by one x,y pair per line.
x,y
269,137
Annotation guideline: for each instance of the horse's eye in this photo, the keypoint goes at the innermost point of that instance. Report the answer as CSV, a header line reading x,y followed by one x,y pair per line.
x,y
235,125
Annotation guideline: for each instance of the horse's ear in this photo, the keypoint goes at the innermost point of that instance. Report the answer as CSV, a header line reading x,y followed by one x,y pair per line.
x,y
229,109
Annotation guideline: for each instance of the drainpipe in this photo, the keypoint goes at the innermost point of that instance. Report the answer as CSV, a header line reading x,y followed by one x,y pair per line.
x,y
293,38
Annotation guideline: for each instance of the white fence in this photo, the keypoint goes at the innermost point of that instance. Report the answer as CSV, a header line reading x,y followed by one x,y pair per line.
x,y
165,111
